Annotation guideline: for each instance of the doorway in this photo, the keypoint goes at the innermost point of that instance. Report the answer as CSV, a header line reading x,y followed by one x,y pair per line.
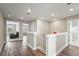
x,y
25,29
74,32
12,30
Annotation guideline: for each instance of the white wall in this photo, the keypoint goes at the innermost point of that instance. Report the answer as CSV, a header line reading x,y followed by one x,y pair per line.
x,y
33,26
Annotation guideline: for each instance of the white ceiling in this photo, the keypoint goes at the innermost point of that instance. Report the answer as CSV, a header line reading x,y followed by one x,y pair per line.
x,y
16,10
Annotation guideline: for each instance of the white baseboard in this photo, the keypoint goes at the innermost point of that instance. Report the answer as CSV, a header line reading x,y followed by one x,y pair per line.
x,y
15,40
2,45
31,46
61,49
42,49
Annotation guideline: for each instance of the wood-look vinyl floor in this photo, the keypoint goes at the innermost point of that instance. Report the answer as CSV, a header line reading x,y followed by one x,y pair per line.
x,y
70,51
18,48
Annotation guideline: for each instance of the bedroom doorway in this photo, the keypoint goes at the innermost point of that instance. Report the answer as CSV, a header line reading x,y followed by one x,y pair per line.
x,y
12,30
74,32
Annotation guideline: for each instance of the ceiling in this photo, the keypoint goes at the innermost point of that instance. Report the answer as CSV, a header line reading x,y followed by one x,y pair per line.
x,y
17,10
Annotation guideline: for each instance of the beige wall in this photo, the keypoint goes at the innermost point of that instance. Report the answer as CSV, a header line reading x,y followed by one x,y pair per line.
x,y
74,17
2,30
59,26
42,29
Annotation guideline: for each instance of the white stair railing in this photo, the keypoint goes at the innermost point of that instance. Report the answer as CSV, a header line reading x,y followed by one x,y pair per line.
x,y
55,43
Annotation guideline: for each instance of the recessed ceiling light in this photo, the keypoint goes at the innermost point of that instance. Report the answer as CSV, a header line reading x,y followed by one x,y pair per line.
x,y
71,9
52,14
29,10
21,17
41,18
9,15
